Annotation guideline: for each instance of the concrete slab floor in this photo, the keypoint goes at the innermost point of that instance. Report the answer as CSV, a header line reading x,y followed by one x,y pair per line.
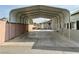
x,y
37,42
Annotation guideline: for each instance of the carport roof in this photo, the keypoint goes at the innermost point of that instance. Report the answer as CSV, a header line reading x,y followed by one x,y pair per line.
x,y
39,11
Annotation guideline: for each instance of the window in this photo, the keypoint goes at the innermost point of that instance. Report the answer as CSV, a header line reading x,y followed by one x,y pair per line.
x,y
67,25
77,25
72,25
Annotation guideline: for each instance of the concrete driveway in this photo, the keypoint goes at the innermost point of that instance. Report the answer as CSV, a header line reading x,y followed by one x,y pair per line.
x,y
40,42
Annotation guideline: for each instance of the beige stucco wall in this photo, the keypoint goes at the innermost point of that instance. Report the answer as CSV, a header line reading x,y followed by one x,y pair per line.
x,y
30,27
2,30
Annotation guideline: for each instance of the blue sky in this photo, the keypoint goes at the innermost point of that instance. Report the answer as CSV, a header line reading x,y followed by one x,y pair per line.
x,y
5,9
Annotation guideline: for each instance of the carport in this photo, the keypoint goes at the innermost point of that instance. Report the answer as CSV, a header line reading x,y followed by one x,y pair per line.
x,y
20,20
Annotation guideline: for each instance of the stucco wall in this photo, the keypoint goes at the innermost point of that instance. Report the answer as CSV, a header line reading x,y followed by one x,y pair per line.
x,y
2,30
30,28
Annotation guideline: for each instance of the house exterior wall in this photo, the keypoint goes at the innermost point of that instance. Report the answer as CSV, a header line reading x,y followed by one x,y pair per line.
x,y
74,33
74,18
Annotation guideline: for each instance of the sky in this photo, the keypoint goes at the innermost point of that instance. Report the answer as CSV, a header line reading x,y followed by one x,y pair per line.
x,y
40,20
5,9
